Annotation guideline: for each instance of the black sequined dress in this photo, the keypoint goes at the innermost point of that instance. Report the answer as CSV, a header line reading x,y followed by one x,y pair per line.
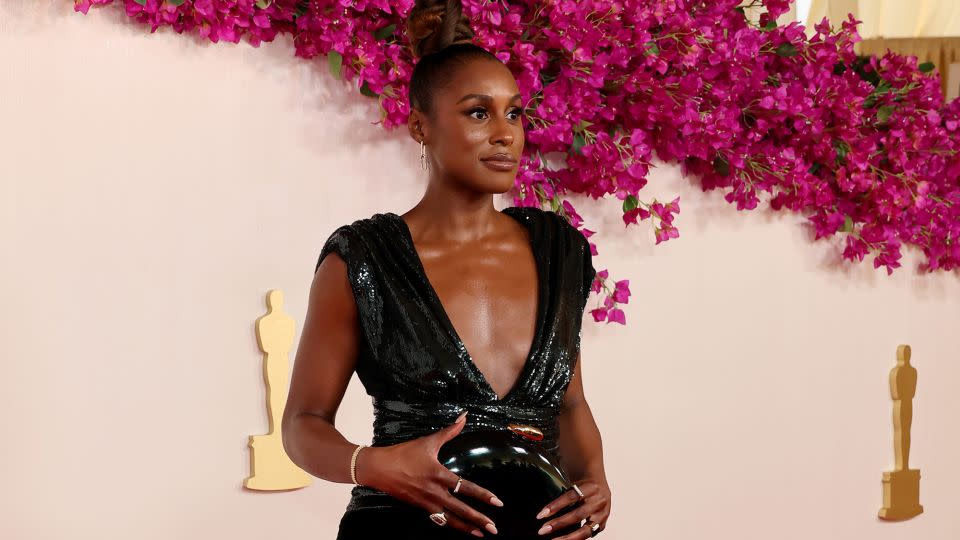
x,y
416,368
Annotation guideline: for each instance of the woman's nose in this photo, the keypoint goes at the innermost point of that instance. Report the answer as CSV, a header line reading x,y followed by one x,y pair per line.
x,y
502,132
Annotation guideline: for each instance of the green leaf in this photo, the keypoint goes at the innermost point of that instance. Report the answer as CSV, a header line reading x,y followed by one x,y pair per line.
x,y
847,224
814,168
925,67
176,3
365,90
787,49
771,25
141,2
262,4
582,125
579,141
554,204
301,8
720,166
883,87
385,32
842,148
630,203
884,112
547,78
335,60
651,49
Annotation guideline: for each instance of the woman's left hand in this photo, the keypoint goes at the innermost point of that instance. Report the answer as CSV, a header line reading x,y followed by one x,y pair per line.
x,y
595,508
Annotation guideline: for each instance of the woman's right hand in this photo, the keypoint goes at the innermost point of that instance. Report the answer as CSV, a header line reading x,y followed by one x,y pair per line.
x,y
411,472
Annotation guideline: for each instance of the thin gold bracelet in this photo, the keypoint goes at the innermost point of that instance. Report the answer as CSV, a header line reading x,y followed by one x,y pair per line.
x,y
353,463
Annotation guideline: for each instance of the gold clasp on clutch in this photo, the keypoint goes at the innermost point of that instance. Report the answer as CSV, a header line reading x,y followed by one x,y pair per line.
x,y
526,431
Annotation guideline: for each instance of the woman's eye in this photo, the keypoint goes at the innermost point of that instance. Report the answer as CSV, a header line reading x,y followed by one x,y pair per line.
x,y
515,111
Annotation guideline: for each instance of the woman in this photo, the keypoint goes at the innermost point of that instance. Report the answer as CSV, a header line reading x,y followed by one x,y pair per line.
x,y
455,316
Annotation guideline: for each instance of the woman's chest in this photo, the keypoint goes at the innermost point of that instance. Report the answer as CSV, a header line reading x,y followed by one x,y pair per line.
x,y
491,300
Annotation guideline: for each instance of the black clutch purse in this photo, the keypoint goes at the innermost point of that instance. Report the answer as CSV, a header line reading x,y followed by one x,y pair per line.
x,y
517,469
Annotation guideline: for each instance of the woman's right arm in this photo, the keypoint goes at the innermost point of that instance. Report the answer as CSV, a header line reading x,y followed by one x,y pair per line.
x,y
325,361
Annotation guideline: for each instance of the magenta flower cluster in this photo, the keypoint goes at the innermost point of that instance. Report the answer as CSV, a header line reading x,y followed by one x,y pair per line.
x,y
864,148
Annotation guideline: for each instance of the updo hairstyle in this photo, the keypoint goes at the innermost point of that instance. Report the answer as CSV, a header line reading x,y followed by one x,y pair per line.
x,y
442,41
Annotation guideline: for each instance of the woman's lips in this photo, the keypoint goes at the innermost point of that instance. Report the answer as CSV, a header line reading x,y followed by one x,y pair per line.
x,y
499,164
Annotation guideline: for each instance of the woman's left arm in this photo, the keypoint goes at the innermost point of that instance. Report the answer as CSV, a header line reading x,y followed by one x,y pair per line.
x,y
581,452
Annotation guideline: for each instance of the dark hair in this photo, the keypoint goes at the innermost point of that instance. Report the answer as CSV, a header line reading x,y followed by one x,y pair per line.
x,y
441,37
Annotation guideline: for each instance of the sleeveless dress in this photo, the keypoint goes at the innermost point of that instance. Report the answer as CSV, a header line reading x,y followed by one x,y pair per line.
x,y
417,370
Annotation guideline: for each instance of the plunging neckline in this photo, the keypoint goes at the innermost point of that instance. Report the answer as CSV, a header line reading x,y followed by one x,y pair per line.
x,y
441,312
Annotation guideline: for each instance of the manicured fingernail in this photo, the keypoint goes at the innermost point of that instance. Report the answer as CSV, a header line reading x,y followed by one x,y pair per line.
x,y
476,532
491,528
496,501
545,529
461,417
543,513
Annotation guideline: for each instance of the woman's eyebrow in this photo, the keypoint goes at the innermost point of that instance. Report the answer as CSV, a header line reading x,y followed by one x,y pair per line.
x,y
484,97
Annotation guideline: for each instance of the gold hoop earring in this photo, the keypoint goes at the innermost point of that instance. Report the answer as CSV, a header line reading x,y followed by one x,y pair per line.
x,y
423,156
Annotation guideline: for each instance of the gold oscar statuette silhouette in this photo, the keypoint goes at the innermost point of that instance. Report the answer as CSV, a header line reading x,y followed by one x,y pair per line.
x,y
901,487
270,467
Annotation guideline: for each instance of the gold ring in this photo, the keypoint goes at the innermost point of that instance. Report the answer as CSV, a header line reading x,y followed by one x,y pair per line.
x,y
457,488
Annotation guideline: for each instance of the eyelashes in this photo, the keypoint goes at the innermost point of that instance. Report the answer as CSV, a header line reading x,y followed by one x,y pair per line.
x,y
481,109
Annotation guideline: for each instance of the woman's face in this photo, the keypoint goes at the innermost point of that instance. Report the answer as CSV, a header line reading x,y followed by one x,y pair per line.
x,y
478,114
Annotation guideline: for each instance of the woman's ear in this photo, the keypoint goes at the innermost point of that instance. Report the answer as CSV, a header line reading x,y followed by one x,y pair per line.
x,y
416,126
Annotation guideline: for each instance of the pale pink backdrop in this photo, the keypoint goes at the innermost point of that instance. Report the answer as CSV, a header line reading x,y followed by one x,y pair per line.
x,y
154,187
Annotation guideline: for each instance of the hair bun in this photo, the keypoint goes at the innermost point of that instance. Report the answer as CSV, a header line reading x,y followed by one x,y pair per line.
x,y
435,24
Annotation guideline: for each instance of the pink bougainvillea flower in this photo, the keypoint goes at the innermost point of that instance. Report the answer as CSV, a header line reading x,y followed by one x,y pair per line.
x,y
865,149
